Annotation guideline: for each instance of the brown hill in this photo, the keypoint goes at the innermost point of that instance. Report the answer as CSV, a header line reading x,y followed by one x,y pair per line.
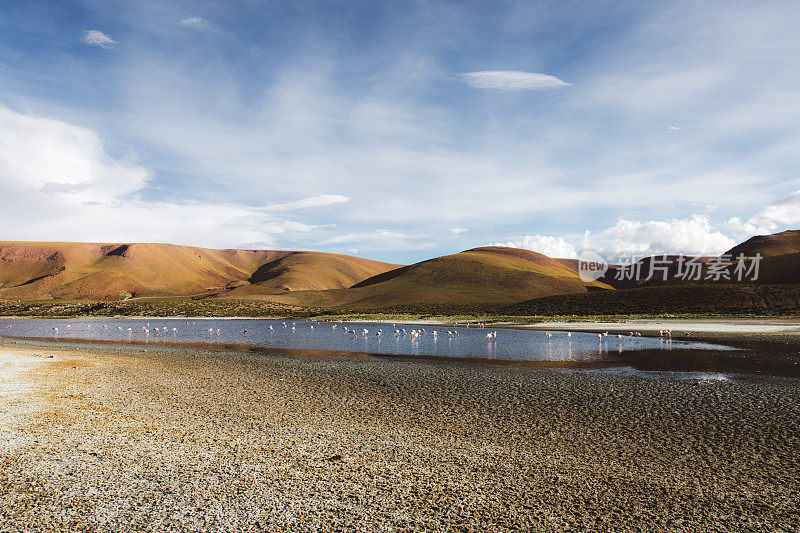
x,y
477,277
785,242
780,254
687,298
42,270
775,290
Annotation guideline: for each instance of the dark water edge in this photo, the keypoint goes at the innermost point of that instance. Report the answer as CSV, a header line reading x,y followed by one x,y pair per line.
x,y
745,364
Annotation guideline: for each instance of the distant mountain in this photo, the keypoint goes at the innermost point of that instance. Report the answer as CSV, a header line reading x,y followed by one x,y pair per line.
x,y
488,279
47,270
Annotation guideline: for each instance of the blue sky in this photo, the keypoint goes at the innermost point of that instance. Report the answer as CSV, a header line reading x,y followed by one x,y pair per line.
x,y
401,131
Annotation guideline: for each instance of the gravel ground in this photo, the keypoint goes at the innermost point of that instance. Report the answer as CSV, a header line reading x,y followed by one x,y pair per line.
x,y
116,438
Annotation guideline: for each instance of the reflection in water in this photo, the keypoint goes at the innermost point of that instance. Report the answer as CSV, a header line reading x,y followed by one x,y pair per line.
x,y
543,348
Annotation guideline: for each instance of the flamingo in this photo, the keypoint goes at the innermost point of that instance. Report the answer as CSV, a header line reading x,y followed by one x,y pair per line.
x,y
548,334
569,334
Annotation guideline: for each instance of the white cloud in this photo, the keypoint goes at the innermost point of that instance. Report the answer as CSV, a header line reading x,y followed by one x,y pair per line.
x,y
691,236
379,239
784,212
511,79
458,231
59,183
98,38
196,22
314,201
544,244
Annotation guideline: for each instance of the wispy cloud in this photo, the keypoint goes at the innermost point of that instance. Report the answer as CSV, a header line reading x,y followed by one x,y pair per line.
x,y
98,38
274,113
314,201
511,80
196,22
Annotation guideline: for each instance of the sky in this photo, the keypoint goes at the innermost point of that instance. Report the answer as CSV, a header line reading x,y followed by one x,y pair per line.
x,y
400,131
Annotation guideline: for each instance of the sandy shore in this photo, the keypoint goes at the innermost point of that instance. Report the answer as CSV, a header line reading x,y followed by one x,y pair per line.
x,y
153,439
764,329
721,329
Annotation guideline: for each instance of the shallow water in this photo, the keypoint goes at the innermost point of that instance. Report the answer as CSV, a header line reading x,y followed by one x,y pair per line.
x,y
680,357
463,343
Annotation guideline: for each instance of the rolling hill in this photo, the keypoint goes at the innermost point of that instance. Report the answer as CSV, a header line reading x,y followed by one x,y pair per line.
x,y
776,290
684,298
785,242
476,277
51,270
780,253
488,279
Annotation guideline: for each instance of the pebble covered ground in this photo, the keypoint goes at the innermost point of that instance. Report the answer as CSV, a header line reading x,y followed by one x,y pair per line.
x,y
115,438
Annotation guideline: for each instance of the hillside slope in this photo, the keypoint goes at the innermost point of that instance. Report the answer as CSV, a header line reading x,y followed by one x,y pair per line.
x,y
41,270
780,253
776,290
309,271
700,298
474,278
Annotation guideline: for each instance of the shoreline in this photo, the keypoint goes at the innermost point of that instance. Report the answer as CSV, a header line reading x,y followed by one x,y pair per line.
x,y
748,359
779,329
236,440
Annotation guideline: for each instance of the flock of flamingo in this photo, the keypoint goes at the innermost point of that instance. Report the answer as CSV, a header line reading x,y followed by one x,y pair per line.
x,y
414,334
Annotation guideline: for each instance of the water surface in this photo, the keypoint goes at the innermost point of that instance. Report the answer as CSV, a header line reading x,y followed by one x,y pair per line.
x,y
559,349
